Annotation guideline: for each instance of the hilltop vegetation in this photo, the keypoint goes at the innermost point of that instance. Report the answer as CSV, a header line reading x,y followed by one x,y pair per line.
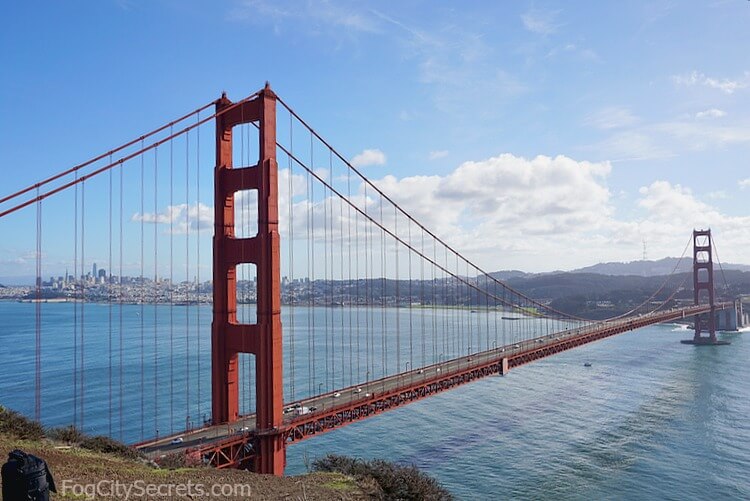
x,y
82,460
592,295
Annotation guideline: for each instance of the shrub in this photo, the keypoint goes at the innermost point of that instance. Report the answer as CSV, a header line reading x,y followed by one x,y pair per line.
x,y
396,481
69,434
176,460
17,425
101,443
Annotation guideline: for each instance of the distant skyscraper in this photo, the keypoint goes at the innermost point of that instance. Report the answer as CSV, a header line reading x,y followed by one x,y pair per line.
x,y
102,273
93,271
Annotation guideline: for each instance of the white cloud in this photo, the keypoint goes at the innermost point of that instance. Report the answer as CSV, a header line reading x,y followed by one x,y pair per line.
x,y
726,85
369,157
671,211
630,145
668,138
312,14
438,154
612,117
717,195
710,113
571,48
183,218
540,21
744,183
478,205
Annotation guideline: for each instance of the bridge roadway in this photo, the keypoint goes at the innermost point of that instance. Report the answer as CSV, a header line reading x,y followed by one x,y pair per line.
x,y
361,401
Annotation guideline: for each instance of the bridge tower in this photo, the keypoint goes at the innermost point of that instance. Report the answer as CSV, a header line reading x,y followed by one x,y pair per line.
x,y
703,289
262,339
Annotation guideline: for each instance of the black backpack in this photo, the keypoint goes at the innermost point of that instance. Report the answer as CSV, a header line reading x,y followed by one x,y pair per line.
x,y
26,477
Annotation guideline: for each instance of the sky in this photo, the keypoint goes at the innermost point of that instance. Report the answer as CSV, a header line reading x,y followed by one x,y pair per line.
x,y
532,135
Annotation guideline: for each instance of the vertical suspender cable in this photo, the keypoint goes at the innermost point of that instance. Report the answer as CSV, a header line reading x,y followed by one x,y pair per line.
x,y
398,296
421,303
356,293
411,317
157,290
198,258
142,297
383,317
349,281
309,285
367,293
187,281
290,287
325,281
314,354
341,282
38,308
75,306
120,300
83,294
171,283
434,304
108,280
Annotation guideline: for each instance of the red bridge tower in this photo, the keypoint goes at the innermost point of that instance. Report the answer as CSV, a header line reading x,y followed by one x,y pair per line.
x,y
262,339
703,287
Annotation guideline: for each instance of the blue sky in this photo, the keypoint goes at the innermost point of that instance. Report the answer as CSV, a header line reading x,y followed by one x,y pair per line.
x,y
533,135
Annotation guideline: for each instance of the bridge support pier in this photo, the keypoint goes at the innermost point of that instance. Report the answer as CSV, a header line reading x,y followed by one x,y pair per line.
x,y
228,337
504,366
703,290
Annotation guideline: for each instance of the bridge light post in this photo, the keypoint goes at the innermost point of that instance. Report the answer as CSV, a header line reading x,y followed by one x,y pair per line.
x,y
320,386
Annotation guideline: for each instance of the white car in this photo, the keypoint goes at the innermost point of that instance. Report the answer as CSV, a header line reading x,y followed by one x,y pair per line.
x,y
336,395
302,410
357,390
177,440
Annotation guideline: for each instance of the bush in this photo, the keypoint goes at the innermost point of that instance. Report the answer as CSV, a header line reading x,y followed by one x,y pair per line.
x,y
69,434
396,481
17,425
176,460
101,443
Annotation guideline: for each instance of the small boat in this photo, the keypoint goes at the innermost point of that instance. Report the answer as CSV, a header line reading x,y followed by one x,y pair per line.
x,y
587,364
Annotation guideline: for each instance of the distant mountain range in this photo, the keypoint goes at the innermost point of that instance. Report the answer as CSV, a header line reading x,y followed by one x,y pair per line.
x,y
621,286
653,268
646,268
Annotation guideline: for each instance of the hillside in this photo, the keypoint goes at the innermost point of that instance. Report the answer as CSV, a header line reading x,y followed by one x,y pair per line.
x,y
651,268
597,296
75,466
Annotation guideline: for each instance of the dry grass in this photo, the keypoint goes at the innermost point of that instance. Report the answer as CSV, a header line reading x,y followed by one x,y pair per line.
x,y
108,460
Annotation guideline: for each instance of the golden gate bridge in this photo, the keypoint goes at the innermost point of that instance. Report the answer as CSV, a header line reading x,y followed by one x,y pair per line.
x,y
283,199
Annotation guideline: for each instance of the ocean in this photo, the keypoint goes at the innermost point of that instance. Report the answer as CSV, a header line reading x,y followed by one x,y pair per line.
x,y
649,419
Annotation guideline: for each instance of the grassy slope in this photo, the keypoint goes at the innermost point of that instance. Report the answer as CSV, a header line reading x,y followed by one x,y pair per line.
x,y
82,466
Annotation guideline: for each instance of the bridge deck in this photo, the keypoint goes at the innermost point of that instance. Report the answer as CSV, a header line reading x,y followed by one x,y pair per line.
x,y
359,402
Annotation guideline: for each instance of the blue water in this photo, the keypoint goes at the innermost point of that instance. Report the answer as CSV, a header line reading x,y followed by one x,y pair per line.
x,y
650,419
